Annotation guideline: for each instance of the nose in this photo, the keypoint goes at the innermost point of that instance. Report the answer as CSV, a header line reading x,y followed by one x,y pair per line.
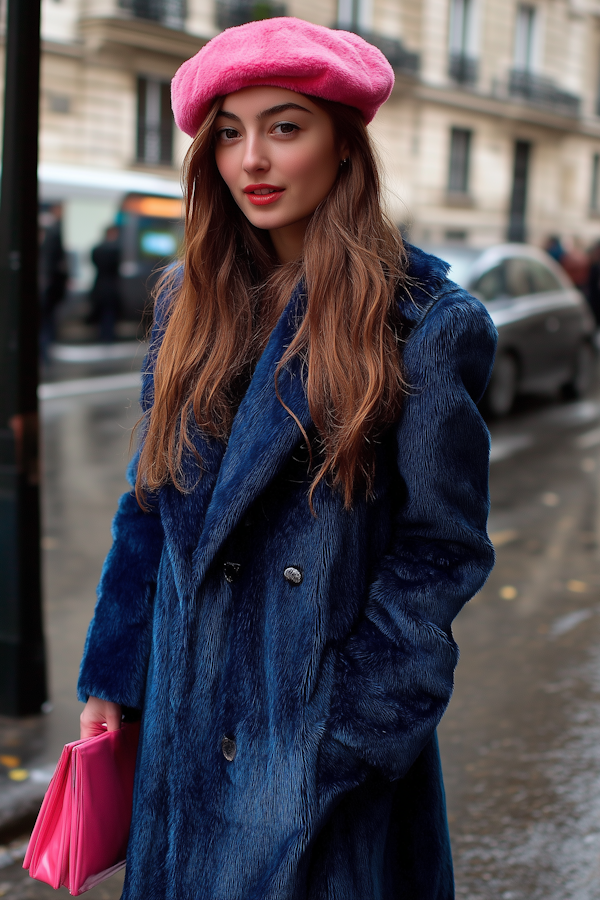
x,y
255,157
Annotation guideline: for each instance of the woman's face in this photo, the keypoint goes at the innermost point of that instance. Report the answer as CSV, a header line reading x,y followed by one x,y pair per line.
x,y
278,155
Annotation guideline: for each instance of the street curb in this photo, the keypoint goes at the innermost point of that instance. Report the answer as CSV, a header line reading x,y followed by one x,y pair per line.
x,y
21,801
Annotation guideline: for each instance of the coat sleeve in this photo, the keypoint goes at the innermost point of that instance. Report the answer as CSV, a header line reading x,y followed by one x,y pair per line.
x,y
394,672
117,648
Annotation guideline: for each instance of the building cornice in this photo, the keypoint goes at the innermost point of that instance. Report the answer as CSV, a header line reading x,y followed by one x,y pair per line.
x,y
104,32
74,50
498,107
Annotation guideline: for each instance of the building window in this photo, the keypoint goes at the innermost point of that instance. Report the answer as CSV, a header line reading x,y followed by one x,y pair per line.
x,y
462,64
155,122
59,103
595,192
171,13
460,152
229,13
455,236
355,15
517,225
525,37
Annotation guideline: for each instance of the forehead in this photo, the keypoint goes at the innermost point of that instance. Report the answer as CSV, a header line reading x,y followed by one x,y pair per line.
x,y
251,101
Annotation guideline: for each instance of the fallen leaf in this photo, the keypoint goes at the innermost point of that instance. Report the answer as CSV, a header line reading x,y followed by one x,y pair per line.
x,y
550,499
500,538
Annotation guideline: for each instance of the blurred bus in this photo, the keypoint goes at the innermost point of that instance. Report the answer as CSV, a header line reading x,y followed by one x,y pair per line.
x,y
146,206
151,230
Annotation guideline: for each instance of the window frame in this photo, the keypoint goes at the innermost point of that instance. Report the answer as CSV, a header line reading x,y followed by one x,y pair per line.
x,y
155,131
526,37
463,10
459,158
355,15
595,184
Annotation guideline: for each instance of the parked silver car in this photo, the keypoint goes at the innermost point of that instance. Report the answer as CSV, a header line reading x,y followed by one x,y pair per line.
x,y
545,327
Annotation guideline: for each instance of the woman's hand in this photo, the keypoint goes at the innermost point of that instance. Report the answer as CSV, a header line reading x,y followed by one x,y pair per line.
x,y
99,716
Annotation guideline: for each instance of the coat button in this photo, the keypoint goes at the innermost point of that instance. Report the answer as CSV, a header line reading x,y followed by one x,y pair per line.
x,y
231,571
228,748
292,574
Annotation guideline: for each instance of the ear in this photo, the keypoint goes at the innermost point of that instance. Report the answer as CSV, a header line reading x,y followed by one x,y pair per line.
x,y
344,150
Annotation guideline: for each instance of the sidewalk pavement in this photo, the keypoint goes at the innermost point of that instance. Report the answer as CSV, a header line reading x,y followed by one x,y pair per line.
x,y
85,451
25,772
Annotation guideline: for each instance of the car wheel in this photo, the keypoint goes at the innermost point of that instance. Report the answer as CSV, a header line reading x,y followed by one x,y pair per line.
x,y
584,372
500,396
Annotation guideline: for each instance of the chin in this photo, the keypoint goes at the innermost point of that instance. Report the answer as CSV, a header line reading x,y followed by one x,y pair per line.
x,y
271,222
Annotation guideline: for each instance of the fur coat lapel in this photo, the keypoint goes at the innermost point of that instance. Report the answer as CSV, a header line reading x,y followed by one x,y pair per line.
x,y
262,437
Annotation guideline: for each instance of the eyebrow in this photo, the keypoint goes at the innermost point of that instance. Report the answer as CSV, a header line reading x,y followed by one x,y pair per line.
x,y
272,111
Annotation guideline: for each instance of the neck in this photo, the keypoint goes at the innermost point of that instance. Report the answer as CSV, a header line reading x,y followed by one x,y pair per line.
x,y
289,240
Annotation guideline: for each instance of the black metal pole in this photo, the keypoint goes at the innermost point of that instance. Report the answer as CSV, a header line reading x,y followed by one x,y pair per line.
x,y
22,655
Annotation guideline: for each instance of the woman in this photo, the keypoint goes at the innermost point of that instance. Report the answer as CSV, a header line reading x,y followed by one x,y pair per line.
x,y
310,503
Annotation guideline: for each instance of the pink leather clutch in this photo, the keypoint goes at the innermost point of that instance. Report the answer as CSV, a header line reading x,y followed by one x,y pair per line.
x,y
81,833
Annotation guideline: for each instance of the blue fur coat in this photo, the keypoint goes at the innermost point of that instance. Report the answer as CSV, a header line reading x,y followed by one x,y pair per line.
x,y
291,670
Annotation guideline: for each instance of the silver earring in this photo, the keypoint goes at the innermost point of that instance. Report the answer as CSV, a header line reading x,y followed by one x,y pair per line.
x,y
344,161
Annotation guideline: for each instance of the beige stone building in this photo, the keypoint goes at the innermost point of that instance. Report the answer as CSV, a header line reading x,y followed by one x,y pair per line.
x,y
492,131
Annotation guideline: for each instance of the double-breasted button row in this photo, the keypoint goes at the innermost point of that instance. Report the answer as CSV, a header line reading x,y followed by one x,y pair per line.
x,y
292,574
231,571
228,747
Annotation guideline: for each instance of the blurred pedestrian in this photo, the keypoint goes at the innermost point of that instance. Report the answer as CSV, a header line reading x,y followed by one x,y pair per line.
x,y
106,292
52,275
593,291
554,247
575,261
310,503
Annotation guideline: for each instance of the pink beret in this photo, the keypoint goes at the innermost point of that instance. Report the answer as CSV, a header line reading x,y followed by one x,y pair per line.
x,y
287,53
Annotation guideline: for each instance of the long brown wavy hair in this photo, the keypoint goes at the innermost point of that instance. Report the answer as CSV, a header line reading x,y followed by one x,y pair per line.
x,y
231,293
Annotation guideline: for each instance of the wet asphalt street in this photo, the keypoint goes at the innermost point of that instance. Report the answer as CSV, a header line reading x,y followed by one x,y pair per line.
x,y
521,740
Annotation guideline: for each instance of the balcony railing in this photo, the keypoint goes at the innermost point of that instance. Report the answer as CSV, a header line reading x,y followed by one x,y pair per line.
x,y
171,13
543,92
463,69
238,12
400,59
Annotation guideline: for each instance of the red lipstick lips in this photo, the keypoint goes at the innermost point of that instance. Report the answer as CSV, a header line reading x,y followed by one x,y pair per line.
x,y
267,193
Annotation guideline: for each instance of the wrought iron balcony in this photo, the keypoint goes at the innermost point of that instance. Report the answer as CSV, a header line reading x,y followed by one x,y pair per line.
x,y
171,13
400,59
463,69
238,12
543,92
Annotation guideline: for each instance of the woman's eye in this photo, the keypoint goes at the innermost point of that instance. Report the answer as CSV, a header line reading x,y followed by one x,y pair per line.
x,y
228,134
285,128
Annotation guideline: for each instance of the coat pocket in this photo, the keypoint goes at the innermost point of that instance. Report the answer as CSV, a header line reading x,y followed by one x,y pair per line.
x,y
336,768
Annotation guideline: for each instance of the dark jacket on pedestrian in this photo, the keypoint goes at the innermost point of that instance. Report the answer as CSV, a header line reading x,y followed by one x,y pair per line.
x,y
593,291
106,291
292,668
53,270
